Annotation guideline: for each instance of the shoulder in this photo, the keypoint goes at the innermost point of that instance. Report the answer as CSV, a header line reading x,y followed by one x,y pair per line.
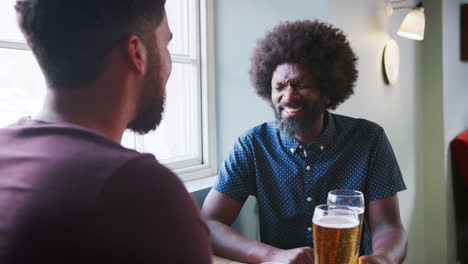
x,y
146,183
145,172
259,133
157,211
356,125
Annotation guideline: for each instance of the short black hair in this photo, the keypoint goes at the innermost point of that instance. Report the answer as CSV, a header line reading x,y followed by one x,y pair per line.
x,y
72,40
322,48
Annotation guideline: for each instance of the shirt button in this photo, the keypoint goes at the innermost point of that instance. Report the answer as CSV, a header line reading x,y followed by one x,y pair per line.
x,y
300,146
308,168
292,150
309,229
322,147
309,199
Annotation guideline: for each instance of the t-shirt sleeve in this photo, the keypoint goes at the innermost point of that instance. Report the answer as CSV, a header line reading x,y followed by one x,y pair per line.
x,y
384,176
148,217
237,174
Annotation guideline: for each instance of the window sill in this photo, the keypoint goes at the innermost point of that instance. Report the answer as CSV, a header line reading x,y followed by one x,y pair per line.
x,y
200,184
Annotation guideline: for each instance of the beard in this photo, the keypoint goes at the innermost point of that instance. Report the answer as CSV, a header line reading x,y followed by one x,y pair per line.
x,y
300,125
152,100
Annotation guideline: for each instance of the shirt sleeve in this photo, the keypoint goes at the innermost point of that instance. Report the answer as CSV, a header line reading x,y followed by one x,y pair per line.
x,y
237,174
384,176
147,216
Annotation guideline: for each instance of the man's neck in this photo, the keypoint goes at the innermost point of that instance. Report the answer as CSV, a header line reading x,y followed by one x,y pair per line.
x,y
104,117
314,132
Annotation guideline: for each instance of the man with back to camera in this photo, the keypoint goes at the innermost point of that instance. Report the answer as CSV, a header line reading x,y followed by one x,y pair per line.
x,y
69,192
303,69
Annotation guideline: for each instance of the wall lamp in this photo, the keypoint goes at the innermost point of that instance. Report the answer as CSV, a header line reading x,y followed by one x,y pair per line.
x,y
412,27
413,24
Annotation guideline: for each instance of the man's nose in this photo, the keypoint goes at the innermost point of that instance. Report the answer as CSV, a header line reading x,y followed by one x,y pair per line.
x,y
290,94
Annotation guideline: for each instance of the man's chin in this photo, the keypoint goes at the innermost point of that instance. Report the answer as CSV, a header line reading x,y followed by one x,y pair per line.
x,y
142,128
291,126
145,123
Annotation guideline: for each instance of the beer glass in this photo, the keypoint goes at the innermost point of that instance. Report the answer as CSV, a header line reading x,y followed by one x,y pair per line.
x,y
352,198
336,234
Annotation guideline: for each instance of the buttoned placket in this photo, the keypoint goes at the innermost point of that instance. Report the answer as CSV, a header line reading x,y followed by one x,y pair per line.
x,y
308,181
309,172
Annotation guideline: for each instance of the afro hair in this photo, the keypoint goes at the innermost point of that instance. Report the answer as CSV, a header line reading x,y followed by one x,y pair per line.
x,y
322,48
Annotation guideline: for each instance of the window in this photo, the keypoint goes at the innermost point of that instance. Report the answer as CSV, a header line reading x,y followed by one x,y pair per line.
x,y
184,141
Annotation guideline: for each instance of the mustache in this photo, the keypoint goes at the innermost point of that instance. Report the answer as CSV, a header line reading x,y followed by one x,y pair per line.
x,y
295,104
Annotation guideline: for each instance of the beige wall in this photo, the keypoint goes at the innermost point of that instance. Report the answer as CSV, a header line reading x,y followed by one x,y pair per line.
x,y
455,90
421,114
432,136
395,108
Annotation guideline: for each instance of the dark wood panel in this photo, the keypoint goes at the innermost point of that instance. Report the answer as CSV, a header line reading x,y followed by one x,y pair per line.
x,y
464,32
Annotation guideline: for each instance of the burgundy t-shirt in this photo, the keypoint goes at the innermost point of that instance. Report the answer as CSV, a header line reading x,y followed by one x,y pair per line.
x,y
69,195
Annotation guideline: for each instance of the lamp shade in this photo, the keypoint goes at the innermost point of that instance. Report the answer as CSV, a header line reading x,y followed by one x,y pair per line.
x,y
413,25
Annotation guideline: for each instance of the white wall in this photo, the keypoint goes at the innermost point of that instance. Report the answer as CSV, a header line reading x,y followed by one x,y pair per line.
x,y
455,72
395,108
238,26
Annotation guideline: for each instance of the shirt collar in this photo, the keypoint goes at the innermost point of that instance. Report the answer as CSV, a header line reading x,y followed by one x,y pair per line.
x,y
322,141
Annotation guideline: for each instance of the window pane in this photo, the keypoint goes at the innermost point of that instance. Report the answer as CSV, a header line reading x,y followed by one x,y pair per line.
x,y
128,139
183,24
178,136
9,29
22,86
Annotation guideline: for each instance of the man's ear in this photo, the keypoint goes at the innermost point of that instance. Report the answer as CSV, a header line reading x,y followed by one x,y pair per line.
x,y
136,54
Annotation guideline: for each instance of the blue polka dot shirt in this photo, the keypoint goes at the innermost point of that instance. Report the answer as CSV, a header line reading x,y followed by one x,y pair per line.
x,y
289,179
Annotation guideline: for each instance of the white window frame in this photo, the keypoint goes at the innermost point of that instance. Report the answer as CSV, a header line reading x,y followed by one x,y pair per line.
x,y
206,165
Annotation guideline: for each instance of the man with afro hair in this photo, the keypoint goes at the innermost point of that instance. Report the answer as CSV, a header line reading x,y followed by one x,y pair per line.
x,y
304,69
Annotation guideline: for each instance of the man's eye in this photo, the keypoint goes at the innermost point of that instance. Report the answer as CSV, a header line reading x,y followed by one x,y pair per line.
x,y
279,87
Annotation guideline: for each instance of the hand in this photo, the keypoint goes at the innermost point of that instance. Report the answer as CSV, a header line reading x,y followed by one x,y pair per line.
x,y
303,255
374,259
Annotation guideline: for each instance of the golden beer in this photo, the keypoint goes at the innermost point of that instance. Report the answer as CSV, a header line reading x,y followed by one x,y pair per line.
x,y
361,222
336,239
351,198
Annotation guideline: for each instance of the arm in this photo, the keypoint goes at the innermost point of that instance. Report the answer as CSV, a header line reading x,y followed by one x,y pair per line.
x,y
389,240
220,211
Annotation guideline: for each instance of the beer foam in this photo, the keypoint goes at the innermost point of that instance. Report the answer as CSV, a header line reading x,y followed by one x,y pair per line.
x,y
358,210
338,222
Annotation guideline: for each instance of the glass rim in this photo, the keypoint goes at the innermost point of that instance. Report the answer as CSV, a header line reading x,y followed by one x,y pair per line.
x,y
343,209
356,193
342,206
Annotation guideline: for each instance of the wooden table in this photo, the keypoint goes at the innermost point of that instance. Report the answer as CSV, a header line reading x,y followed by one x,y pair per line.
x,y
220,260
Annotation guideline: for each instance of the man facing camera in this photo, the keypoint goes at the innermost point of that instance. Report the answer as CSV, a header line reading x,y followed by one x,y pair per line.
x,y
303,69
69,192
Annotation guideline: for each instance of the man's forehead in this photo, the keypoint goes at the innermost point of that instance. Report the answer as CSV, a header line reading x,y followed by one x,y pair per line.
x,y
290,71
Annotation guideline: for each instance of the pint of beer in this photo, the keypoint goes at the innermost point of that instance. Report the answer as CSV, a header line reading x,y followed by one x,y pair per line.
x,y
336,235
351,198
